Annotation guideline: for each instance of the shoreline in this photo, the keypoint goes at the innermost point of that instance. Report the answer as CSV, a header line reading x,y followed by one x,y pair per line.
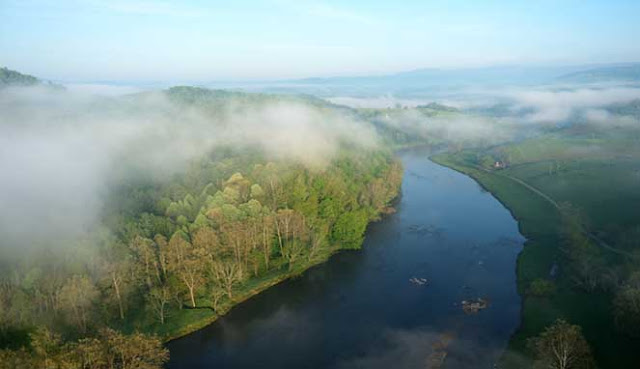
x,y
269,283
512,344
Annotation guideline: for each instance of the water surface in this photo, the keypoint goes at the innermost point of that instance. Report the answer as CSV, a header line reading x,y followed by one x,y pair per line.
x,y
360,309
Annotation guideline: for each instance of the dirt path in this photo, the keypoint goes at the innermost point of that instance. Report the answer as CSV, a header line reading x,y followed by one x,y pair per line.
x,y
555,204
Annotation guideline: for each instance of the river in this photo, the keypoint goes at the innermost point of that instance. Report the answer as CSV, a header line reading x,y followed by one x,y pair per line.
x,y
360,309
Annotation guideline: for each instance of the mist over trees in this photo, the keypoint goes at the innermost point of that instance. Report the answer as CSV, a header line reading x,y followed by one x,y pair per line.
x,y
153,206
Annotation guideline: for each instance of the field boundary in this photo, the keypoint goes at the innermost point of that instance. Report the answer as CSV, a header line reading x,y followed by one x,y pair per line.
x,y
555,204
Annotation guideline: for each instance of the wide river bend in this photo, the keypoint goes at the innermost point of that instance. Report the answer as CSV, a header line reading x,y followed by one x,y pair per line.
x,y
371,308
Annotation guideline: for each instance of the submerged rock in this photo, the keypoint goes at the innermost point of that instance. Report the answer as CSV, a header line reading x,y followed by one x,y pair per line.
x,y
474,306
419,281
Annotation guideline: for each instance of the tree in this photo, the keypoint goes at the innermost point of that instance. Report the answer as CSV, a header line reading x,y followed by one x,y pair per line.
x,y
561,346
88,353
188,262
541,288
626,307
158,298
108,350
77,296
114,350
162,247
146,259
226,274
117,269
257,192
586,264
266,238
217,294
47,348
292,250
18,359
349,228
207,239
289,226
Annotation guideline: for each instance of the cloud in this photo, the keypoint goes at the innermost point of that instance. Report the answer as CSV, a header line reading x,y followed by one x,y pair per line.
x,y
379,102
101,89
553,106
604,118
61,152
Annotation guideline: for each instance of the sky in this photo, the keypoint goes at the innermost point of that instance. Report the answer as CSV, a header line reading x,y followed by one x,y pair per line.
x,y
198,40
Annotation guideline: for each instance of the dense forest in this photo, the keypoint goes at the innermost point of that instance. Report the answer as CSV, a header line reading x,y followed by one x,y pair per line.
x,y
171,252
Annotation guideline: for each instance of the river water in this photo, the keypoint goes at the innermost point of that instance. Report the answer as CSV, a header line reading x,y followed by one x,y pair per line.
x,y
361,309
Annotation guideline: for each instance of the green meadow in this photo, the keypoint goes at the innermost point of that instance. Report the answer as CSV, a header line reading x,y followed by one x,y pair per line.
x,y
598,174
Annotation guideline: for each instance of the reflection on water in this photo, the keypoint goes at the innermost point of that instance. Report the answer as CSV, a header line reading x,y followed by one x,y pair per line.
x,y
364,309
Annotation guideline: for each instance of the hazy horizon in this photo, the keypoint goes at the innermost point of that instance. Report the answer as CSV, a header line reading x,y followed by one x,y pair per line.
x,y
161,41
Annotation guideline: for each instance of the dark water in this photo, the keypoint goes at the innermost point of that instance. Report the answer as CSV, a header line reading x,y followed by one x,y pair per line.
x,y
359,310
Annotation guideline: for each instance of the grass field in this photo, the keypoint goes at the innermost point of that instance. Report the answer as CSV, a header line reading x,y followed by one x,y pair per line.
x,y
598,175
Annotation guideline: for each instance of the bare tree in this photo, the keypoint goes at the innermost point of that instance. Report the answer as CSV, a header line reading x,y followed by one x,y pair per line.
x,y
562,346
227,274
266,238
77,296
146,259
159,297
188,263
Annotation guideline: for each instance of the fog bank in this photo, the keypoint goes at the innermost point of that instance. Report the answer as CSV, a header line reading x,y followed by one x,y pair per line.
x,y
60,151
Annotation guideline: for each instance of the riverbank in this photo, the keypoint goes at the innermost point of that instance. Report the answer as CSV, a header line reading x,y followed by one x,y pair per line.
x,y
542,259
194,320
362,309
189,320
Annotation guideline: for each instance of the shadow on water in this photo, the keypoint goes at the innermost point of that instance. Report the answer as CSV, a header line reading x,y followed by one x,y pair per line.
x,y
395,303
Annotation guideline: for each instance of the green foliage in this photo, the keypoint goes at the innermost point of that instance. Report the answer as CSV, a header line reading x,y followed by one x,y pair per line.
x,y
107,350
542,288
11,77
349,228
205,238
577,170
626,307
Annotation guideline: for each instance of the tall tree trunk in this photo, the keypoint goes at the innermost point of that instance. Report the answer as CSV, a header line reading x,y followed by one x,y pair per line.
x,y
162,312
193,299
116,286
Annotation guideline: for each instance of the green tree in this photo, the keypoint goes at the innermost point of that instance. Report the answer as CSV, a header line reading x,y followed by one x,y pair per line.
x,y
77,297
626,307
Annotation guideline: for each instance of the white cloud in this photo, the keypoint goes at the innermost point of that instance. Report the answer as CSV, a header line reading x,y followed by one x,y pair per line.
x,y
551,106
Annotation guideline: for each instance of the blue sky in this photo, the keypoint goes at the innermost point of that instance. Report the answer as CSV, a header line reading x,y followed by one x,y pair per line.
x,y
144,40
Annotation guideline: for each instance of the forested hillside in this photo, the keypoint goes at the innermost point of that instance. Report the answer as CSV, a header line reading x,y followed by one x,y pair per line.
x,y
169,253
10,77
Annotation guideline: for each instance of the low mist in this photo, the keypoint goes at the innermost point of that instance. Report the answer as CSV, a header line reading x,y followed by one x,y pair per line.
x,y
61,151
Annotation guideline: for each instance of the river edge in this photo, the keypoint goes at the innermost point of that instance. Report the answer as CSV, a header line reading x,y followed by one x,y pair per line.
x,y
242,296
271,281
516,354
261,287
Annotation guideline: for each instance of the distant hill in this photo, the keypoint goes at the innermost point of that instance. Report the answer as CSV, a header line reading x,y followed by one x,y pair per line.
x,y
631,108
458,76
10,77
428,81
629,72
